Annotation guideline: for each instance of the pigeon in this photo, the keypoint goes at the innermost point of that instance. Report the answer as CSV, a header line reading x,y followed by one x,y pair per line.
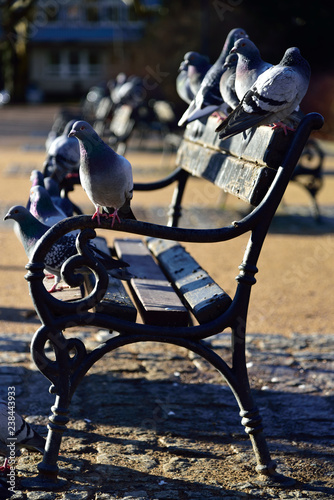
x,y
273,97
227,82
31,230
36,178
250,65
64,203
192,70
63,156
43,208
17,433
104,175
208,98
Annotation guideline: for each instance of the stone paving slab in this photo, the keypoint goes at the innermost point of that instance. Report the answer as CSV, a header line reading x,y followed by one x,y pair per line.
x,y
149,422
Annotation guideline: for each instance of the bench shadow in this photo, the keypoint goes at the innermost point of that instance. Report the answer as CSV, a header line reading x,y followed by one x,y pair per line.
x,y
167,436
18,315
189,424
303,224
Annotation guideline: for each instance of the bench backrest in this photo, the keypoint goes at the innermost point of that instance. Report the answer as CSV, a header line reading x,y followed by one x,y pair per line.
x,y
243,165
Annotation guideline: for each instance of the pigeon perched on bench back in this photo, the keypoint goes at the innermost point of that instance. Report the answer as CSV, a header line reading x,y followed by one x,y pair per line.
x,y
18,432
192,70
208,99
227,82
250,65
63,156
104,175
30,232
273,97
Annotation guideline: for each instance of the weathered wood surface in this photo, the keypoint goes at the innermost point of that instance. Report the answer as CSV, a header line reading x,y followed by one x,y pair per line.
x,y
64,292
116,300
157,301
200,293
243,165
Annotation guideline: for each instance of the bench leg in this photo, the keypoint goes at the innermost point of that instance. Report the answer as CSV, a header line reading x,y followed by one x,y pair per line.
x,y
174,212
250,415
48,469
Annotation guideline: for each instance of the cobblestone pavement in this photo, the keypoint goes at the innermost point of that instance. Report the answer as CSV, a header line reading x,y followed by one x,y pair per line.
x,y
151,422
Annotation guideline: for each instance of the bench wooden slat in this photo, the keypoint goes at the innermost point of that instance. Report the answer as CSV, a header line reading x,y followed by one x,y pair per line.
x,y
66,294
157,301
202,295
116,300
240,166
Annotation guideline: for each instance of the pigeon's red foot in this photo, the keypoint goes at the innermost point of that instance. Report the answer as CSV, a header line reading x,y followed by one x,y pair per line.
x,y
5,467
283,126
54,288
97,215
114,216
71,176
219,115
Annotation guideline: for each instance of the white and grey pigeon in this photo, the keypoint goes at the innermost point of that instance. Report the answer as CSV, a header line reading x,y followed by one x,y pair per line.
x,y
272,98
43,208
31,230
208,98
63,157
20,433
192,70
250,65
227,82
104,175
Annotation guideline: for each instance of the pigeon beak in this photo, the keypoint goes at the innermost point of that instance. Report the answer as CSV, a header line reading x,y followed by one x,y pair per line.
x,y
233,50
72,133
7,216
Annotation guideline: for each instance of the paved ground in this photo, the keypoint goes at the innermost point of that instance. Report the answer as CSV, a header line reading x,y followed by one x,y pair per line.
x,y
150,422
155,423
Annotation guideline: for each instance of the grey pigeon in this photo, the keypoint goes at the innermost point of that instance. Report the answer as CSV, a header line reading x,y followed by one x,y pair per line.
x,y
63,157
192,70
250,65
43,208
37,179
61,202
208,98
16,432
273,97
104,175
227,82
31,230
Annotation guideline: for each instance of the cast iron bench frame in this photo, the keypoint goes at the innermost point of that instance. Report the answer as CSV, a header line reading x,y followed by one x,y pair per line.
x,y
238,173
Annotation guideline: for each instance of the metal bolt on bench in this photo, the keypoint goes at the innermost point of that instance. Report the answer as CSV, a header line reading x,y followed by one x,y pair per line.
x,y
170,288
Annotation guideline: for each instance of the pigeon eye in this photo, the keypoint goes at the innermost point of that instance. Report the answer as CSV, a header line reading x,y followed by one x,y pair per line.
x,y
243,45
82,128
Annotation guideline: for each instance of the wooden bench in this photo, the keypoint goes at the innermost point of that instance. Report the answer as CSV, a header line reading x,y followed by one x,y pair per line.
x,y
177,301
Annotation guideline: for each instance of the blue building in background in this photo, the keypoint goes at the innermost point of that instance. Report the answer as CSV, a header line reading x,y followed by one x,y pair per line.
x,y
75,44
